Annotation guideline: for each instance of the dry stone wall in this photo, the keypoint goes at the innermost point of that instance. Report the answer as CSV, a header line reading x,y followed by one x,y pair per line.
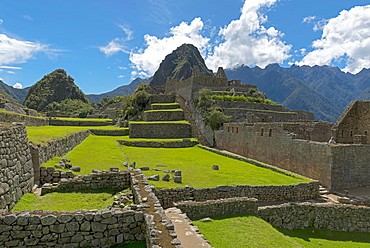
x,y
337,166
302,191
101,180
16,173
160,144
56,122
50,175
42,153
9,117
160,130
115,132
218,207
95,228
322,216
164,115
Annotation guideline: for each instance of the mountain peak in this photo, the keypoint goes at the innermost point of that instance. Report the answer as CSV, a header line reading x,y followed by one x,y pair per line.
x,y
54,87
180,65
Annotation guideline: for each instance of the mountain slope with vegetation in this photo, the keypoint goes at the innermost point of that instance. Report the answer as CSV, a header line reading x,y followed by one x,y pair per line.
x,y
179,65
54,87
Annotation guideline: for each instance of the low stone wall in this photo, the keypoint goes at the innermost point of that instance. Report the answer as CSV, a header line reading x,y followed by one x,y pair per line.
x,y
50,175
43,153
56,122
160,130
218,207
159,144
101,180
298,192
162,98
116,132
101,228
16,173
164,106
9,117
165,115
322,216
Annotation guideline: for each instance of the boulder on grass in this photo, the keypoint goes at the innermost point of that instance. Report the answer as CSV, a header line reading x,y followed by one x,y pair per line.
x,y
76,168
154,178
166,177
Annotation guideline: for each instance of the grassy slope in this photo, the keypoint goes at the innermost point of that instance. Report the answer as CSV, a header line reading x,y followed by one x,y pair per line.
x,y
250,231
43,134
70,201
103,152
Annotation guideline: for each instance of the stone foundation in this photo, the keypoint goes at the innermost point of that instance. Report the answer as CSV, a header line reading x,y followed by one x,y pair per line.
x,y
159,144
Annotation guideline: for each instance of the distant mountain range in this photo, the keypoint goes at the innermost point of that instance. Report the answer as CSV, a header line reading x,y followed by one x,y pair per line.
x,y
324,90
120,91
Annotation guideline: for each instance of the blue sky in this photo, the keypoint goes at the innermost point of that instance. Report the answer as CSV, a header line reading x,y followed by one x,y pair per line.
x,y
106,44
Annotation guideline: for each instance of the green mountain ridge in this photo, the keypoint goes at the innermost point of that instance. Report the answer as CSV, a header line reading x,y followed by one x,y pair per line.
x,y
54,87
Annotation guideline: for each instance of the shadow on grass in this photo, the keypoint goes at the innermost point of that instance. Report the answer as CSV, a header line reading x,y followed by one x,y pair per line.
x,y
131,245
314,233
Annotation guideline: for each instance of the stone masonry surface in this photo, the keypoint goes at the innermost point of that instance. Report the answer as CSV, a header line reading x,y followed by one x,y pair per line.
x,y
101,180
160,130
302,191
28,120
218,207
322,216
95,228
16,173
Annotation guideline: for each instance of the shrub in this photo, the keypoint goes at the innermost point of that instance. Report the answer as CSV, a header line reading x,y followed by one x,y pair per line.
x,y
215,119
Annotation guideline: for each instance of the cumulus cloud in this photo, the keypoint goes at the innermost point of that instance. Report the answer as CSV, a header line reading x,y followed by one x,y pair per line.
x,y
18,86
146,61
247,41
345,38
243,41
117,44
1,21
14,51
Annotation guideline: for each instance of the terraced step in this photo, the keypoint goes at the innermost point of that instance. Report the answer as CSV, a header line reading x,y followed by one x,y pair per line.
x,y
157,106
160,129
164,115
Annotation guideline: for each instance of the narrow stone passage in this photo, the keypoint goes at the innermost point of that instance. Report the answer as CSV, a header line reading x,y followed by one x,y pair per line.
x,y
186,233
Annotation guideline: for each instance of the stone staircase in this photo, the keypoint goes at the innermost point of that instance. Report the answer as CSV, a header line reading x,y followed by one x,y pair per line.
x,y
165,120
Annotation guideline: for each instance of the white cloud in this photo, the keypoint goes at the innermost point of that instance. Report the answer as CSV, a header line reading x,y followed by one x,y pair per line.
x,y
344,38
247,41
14,51
117,44
27,17
10,67
121,76
243,41
122,67
114,46
10,72
1,21
18,86
146,61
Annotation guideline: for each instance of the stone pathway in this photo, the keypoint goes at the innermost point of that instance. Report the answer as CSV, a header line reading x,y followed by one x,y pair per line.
x,y
186,233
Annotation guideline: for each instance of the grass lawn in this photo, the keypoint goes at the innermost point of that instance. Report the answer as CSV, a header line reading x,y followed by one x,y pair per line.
x,y
43,134
95,152
103,152
250,231
70,201
196,166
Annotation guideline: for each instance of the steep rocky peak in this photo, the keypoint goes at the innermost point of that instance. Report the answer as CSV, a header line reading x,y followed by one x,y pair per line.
x,y
180,65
